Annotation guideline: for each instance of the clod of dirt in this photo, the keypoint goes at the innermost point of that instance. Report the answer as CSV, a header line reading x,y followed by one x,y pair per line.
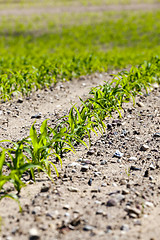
x,y
131,211
34,234
144,147
112,202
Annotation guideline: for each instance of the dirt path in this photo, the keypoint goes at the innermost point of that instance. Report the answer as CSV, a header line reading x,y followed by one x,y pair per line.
x,y
97,196
79,9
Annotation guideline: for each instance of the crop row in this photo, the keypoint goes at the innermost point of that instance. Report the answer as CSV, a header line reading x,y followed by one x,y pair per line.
x,y
40,149
37,54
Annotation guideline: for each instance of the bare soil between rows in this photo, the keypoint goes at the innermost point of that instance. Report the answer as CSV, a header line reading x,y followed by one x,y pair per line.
x,y
79,9
96,196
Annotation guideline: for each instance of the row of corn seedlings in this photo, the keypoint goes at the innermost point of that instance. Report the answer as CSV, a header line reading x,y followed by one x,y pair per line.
x,y
36,152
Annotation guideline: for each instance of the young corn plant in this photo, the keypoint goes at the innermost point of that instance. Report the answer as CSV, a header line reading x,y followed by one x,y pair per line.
x,y
94,119
11,177
38,147
79,124
17,164
60,141
104,101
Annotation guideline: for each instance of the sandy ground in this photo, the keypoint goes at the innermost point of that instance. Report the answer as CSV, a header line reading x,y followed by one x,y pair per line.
x,y
98,196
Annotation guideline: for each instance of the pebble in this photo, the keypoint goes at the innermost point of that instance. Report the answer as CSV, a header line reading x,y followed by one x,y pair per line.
x,y
140,104
132,215
146,174
97,174
113,161
97,202
73,189
90,182
137,222
120,198
144,147
73,164
99,212
103,162
125,192
148,156
49,215
15,230
94,190
20,100
67,215
152,167
132,210
66,207
88,228
124,228
113,193
104,185
111,202
76,211
123,123
116,121
155,85
136,132
85,161
99,233
156,135
84,168
8,238
98,153
91,152
108,229
36,210
118,154
123,182
114,184
34,234
43,226
149,204
151,178
37,116
134,168
132,159
123,133
45,188
109,126
130,110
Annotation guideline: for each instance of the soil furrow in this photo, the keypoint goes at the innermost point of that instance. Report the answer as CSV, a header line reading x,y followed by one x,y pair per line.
x,y
79,9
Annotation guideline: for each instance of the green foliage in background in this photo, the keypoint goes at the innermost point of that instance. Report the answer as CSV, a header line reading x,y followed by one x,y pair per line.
x,y
36,57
